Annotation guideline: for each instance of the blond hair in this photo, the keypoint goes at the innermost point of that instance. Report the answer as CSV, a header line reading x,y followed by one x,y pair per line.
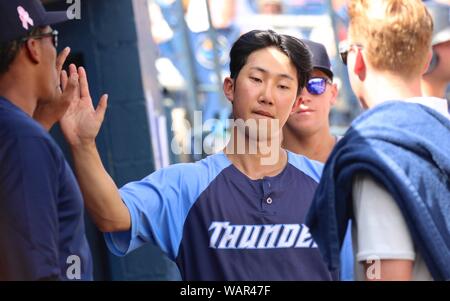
x,y
396,34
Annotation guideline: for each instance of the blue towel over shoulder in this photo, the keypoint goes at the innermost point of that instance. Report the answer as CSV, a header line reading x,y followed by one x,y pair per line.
x,y
406,148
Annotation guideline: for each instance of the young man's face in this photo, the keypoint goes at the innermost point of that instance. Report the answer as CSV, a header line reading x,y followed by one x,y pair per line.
x,y
312,115
265,89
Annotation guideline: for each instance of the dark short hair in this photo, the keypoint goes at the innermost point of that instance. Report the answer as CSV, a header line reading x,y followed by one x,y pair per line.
x,y
9,50
255,40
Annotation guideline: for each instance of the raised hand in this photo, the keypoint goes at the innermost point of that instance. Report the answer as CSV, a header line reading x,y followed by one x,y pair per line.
x,y
49,113
81,122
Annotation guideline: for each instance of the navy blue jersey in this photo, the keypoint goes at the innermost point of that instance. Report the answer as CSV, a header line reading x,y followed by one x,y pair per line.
x,y
41,210
218,224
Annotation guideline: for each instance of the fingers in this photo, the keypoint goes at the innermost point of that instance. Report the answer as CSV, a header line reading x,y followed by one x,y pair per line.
x,y
72,69
84,85
71,89
64,80
101,107
73,76
62,58
78,83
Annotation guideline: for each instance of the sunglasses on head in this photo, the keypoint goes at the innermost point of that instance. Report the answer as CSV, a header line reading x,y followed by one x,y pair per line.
x,y
317,85
345,47
53,34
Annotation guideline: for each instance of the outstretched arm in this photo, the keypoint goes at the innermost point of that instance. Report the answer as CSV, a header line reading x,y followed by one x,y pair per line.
x,y
80,125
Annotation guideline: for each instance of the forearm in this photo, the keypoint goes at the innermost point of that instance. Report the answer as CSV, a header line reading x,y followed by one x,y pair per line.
x,y
100,193
389,270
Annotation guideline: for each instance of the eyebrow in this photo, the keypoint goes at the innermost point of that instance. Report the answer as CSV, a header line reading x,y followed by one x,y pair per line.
x,y
267,72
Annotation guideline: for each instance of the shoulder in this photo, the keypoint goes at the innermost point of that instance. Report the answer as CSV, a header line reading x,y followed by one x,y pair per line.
x,y
366,188
371,198
394,113
182,178
16,124
26,140
205,168
310,167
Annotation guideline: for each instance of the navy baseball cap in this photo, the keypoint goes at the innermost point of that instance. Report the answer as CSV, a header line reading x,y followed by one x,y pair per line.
x,y
320,59
19,17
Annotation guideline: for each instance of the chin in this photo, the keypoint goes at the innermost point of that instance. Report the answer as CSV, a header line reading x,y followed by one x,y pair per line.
x,y
305,123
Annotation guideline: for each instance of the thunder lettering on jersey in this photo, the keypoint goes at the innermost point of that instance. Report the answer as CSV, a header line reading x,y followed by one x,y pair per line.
x,y
226,236
218,224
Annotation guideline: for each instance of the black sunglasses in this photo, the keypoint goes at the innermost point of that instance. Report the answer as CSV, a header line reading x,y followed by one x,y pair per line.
x,y
344,48
53,34
317,85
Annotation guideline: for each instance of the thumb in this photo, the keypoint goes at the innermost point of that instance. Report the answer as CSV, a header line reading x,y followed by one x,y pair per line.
x,y
101,107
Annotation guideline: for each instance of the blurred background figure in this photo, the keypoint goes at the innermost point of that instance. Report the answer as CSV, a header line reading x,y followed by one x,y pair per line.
x,y
437,78
270,7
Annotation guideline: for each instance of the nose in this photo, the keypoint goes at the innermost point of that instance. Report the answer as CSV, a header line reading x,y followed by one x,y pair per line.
x,y
305,97
266,96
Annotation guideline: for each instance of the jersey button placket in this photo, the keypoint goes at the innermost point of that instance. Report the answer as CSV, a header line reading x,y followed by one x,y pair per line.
x,y
267,201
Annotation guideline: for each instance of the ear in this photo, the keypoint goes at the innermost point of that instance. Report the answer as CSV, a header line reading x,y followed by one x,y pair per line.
x,y
228,88
33,50
428,62
360,65
334,94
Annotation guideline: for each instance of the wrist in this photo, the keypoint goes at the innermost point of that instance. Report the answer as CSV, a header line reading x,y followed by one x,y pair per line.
x,y
83,145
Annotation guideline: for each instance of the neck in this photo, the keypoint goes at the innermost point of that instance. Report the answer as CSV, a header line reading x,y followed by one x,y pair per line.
x,y
434,87
316,146
382,87
267,159
13,87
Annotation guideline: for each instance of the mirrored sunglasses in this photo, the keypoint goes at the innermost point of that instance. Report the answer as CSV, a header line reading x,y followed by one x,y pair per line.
x,y
317,85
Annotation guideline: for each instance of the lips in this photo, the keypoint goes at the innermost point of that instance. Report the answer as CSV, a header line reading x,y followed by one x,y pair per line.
x,y
305,111
264,113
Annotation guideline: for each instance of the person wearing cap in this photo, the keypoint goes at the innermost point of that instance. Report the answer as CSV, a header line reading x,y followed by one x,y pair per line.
x,y
307,131
437,78
390,172
42,234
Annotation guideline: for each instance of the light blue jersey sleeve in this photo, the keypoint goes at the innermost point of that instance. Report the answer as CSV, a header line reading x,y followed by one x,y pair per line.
x,y
347,258
310,167
160,203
